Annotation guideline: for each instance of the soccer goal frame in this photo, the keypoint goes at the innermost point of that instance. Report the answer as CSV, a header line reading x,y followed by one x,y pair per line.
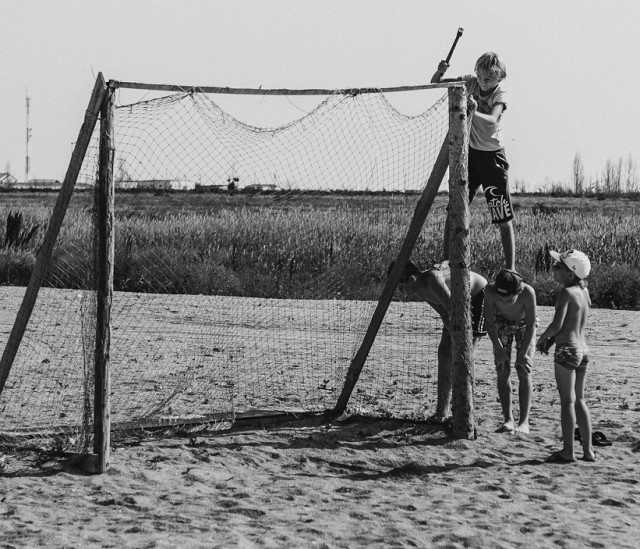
x,y
452,156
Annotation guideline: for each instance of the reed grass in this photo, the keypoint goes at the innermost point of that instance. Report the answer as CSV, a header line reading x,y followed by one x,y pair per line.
x,y
320,246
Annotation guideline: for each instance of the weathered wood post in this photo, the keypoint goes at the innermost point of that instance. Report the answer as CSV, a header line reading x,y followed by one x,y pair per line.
x,y
420,213
462,341
104,286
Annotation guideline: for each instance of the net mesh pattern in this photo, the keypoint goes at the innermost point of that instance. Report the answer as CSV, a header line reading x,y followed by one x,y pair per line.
x,y
248,261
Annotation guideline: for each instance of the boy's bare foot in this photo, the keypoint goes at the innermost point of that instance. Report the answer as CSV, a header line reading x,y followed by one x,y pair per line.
x,y
506,427
523,427
436,419
559,457
589,457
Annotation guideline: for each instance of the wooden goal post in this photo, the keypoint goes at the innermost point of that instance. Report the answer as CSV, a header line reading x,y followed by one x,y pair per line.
x,y
460,313
452,156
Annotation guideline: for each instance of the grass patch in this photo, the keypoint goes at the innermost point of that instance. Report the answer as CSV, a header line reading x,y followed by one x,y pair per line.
x,y
324,247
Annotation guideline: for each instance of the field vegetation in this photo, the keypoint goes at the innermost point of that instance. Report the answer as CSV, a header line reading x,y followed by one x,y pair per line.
x,y
313,246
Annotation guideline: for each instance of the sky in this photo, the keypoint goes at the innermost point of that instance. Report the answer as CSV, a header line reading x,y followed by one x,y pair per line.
x,y
572,66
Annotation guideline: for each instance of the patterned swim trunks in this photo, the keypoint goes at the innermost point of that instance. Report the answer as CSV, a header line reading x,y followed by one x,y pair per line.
x,y
569,356
510,331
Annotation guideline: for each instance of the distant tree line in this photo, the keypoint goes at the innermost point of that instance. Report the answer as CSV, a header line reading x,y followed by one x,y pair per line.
x,y
618,177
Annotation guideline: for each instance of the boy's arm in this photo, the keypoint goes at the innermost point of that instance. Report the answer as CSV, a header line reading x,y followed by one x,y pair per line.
x,y
492,118
436,283
444,314
558,319
437,76
531,319
499,353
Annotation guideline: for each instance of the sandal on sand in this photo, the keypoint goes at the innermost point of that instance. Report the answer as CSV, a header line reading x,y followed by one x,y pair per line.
x,y
599,439
557,457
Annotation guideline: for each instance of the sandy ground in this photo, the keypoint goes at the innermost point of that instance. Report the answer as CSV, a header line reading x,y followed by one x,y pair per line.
x,y
363,483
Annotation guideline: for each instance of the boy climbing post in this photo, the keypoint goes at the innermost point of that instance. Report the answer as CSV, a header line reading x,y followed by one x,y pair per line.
x,y
488,166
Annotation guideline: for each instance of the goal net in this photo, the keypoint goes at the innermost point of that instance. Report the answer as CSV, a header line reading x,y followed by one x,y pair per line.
x,y
252,236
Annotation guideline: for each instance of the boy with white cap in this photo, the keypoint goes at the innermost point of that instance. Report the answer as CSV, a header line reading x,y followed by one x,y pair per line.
x,y
571,357
510,315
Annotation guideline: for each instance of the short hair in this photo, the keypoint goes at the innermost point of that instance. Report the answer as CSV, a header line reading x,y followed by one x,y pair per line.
x,y
490,63
508,282
410,270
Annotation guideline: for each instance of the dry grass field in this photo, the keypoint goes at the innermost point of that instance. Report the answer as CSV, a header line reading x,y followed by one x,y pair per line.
x,y
282,245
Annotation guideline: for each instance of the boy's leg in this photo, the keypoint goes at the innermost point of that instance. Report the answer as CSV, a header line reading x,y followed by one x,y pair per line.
x,y
492,169
566,381
525,389
583,416
443,405
445,240
476,340
507,237
504,392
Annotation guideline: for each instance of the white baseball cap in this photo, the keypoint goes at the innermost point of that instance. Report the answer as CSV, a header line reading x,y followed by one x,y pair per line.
x,y
575,260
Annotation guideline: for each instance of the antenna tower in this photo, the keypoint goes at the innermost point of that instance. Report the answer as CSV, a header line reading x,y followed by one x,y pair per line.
x,y
27,159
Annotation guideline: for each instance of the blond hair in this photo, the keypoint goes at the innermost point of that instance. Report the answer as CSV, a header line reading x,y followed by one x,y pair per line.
x,y
490,63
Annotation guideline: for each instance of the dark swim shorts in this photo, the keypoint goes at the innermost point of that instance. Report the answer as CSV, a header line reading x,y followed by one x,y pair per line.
x,y
477,314
489,170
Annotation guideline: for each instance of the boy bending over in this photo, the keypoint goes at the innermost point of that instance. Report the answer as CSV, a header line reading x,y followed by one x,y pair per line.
x,y
433,286
510,315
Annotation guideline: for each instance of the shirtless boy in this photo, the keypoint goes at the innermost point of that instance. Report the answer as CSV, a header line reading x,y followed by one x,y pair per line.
x,y
433,286
510,315
571,356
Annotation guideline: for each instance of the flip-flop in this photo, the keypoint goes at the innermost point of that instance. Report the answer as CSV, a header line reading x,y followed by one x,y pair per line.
x,y
557,457
599,439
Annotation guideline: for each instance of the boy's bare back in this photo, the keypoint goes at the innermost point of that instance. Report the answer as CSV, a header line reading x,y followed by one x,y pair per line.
x,y
574,303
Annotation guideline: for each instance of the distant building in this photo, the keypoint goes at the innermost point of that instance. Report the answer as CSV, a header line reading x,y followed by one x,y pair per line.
x,y
43,184
33,184
261,188
7,180
212,188
126,184
157,184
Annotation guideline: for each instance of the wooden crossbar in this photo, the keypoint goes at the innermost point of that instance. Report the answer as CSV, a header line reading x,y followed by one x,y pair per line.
x,y
277,91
